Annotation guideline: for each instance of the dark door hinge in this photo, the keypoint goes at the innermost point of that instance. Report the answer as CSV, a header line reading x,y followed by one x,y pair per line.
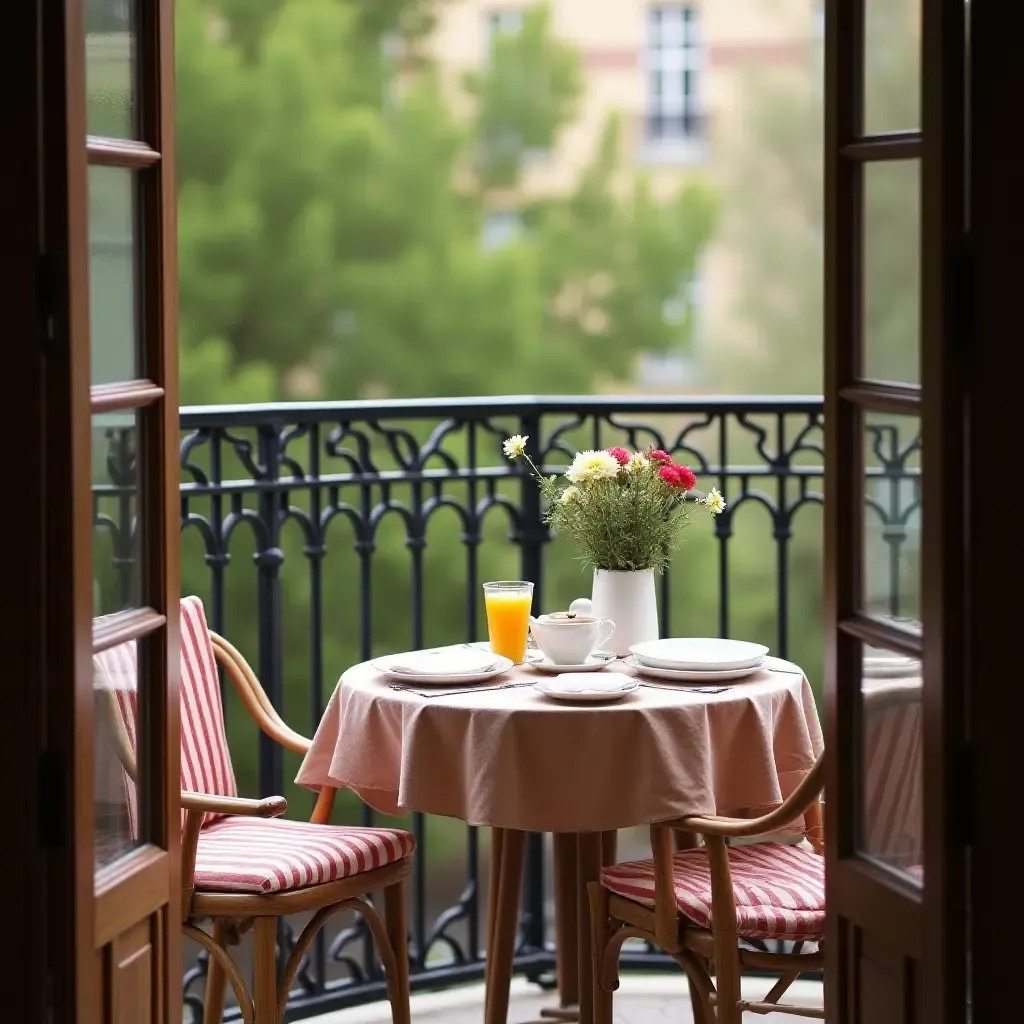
x,y
53,800
962,817
48,295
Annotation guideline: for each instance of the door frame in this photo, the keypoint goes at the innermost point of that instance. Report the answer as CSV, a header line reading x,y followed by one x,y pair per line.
x,y
24,636
996,562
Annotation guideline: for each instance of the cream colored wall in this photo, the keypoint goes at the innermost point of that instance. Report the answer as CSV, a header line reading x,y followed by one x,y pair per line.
x,y
610,37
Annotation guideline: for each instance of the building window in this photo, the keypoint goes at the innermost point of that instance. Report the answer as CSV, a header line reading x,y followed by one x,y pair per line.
x,y
504,22
500,228
674,67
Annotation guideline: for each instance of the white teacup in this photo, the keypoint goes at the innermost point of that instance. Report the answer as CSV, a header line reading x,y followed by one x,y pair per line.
x,y
570,639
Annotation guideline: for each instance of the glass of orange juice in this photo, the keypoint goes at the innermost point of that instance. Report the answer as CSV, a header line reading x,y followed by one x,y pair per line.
x,y
508,604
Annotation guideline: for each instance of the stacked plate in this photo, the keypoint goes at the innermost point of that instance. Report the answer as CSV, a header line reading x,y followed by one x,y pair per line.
x,y
697,659
444,666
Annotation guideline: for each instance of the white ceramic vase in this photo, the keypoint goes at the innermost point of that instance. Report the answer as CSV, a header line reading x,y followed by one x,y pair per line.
x,y
630,600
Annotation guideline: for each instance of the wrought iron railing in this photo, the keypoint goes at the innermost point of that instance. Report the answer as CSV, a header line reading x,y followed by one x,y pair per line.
x,y
321,535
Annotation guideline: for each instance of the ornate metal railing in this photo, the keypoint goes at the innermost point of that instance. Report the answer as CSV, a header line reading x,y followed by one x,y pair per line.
x,y
321,535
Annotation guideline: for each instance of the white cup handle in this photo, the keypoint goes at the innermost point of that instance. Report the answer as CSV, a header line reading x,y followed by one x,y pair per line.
x,y
601,640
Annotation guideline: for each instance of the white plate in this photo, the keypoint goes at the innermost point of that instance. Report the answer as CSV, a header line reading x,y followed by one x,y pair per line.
x,y
893,667
596,661
441,678
585,688
699,654
690,675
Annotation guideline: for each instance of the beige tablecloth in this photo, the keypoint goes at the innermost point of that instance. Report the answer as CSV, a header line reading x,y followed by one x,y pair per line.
x,y
513,758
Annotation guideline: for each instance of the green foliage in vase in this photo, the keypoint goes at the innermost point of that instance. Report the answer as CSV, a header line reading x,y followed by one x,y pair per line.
x,y
623,511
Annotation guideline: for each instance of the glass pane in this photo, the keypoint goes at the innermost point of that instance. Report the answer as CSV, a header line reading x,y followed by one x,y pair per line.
x,y
892,271
892,818
115,510
112,279
892,516
115,708
892,65
110,67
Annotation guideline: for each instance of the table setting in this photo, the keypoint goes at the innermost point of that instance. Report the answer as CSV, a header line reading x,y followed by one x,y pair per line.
x,y
578,721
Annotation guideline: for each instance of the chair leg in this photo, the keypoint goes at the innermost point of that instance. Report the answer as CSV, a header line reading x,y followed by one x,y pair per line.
x,y
216,980
701,1013
264,971
398,937
599,935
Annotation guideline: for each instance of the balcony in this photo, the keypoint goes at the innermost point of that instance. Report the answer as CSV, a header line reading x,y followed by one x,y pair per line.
x,y
320,535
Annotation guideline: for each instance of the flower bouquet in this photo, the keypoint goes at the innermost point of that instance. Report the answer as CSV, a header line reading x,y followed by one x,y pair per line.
x,y
625,512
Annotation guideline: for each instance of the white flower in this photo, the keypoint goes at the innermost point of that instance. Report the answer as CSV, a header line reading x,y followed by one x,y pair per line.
x,y
591,465
637,462
515,446
569,494
714,501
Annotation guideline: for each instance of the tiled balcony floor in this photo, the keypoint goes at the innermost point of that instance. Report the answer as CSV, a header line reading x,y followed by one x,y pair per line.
x,y
641,999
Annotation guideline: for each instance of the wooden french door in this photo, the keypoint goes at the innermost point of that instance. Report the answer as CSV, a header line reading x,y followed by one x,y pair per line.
x,y
897,320
112,507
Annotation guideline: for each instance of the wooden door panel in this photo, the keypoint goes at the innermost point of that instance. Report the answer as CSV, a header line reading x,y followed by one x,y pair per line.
x,y
133,974
113,511
896,898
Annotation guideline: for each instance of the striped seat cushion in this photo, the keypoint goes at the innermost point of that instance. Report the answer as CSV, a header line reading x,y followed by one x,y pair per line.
x,y
205,760
258,855
779,890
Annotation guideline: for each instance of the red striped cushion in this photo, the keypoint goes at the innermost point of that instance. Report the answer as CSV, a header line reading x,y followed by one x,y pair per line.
x,y
205,759
259,855
779,890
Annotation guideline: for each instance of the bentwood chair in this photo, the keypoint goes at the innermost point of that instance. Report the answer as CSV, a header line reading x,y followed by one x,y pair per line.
x,y
243,866
705,904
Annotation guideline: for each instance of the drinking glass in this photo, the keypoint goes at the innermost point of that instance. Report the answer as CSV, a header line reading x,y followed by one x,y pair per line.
x,y
508,604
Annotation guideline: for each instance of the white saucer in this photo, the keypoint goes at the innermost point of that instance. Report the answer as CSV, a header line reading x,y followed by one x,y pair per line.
x,y
690,675
596,661
586,689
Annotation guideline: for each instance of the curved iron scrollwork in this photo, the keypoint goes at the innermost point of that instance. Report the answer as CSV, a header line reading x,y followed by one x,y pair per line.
x,y
289,499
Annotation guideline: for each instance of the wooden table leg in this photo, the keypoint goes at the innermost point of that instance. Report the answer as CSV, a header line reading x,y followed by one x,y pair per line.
x,y
566,941
506,883
588,869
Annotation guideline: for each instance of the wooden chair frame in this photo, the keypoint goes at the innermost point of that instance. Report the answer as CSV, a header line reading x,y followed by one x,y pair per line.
x,y
614,919
234,913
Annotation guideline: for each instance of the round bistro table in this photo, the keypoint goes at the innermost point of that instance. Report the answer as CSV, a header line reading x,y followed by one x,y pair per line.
x,y
508,757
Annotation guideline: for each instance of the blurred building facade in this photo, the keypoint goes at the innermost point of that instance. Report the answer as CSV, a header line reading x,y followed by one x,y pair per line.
x,y
674,73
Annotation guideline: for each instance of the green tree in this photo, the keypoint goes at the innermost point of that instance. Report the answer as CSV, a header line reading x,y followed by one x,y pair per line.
x,y
334,186
332,200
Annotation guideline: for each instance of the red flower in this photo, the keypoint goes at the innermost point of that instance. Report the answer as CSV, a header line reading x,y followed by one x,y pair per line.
x,y
657,455
687,479
680,477
620,455
670,475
